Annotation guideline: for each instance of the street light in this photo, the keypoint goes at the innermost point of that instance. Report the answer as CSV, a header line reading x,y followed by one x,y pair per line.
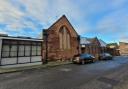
x,y
46,45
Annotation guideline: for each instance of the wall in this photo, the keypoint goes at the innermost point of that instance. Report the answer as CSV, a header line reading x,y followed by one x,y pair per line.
x,y
123,48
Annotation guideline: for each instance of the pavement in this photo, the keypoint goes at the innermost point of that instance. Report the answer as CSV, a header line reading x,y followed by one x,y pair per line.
x,y
111,74
6,69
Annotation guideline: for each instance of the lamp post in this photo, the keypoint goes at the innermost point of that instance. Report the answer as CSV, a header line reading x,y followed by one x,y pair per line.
x,y
46,45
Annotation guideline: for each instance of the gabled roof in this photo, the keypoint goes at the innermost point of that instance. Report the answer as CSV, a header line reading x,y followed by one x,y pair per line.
x,y
92,40
102,43
123,42
63,17
85,40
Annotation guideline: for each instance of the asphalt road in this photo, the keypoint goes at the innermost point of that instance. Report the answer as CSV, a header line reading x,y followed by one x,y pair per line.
x,y
111,74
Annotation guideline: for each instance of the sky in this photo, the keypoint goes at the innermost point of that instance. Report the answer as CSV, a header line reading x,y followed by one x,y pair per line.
x,y
106,19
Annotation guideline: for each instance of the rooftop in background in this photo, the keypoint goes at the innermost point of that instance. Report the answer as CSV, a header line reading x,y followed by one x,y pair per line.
x,y
123,43
85,40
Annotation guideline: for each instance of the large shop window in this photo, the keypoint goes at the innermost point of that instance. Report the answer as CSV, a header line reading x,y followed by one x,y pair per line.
x,y
23,49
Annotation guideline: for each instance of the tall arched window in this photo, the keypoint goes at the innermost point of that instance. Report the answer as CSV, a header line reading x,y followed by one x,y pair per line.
x,y
64,37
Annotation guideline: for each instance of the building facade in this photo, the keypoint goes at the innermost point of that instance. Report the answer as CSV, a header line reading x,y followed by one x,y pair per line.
x,y
113,49
19,50
123,47
93,46
60,41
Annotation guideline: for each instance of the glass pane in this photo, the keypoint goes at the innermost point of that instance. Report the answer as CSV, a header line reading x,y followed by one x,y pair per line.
x,y
6,48
5,54
27,50
33,50
39,52
13,51
21,50
5,51
38,47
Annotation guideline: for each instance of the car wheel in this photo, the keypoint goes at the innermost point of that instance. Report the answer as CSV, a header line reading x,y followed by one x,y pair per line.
x,y
83,62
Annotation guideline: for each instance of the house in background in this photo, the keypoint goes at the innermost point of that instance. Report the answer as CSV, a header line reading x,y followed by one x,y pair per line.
x,y
123,47
92,46
20,50
113,49
61,41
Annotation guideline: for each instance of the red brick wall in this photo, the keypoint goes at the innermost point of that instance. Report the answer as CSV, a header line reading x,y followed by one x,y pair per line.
x,y
123,46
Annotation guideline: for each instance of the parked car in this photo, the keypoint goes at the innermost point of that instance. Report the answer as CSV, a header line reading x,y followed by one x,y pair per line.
x,y
105,56
82,58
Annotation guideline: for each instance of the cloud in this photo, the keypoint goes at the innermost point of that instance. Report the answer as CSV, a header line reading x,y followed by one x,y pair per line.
x,y
124,38
87,16
2,32
13,17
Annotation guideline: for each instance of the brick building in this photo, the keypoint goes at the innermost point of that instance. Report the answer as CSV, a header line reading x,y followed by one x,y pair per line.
x,y
113,49
92,46
123,47
60,41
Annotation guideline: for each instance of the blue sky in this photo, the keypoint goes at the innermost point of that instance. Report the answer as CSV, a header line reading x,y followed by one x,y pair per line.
x,y
106,19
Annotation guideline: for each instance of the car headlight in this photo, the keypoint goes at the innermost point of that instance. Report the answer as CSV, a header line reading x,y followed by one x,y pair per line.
x,y
93,57
77,58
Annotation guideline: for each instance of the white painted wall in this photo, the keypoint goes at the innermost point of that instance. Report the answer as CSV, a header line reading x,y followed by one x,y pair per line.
x,y
21,65
36,58
6,61
23,59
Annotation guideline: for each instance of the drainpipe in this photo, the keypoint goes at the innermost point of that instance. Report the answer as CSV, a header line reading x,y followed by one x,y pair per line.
x,y
78,48
46,46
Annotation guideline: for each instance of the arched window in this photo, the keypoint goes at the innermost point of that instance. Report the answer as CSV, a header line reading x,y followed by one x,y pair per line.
x,y
64,37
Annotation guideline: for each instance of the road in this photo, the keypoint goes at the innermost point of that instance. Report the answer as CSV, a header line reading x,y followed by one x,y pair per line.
x,y
111,74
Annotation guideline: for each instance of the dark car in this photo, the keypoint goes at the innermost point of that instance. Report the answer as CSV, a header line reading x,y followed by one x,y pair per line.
x,y
105,56
82,58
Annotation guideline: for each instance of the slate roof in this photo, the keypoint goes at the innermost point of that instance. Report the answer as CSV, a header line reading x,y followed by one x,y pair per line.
x,y
85,40
102,43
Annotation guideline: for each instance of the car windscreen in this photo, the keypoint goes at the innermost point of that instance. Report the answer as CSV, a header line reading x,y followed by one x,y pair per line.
x,y
85,55
106,54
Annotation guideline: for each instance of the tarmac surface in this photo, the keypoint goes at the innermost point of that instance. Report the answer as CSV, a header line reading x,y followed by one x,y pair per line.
x,y
110,74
